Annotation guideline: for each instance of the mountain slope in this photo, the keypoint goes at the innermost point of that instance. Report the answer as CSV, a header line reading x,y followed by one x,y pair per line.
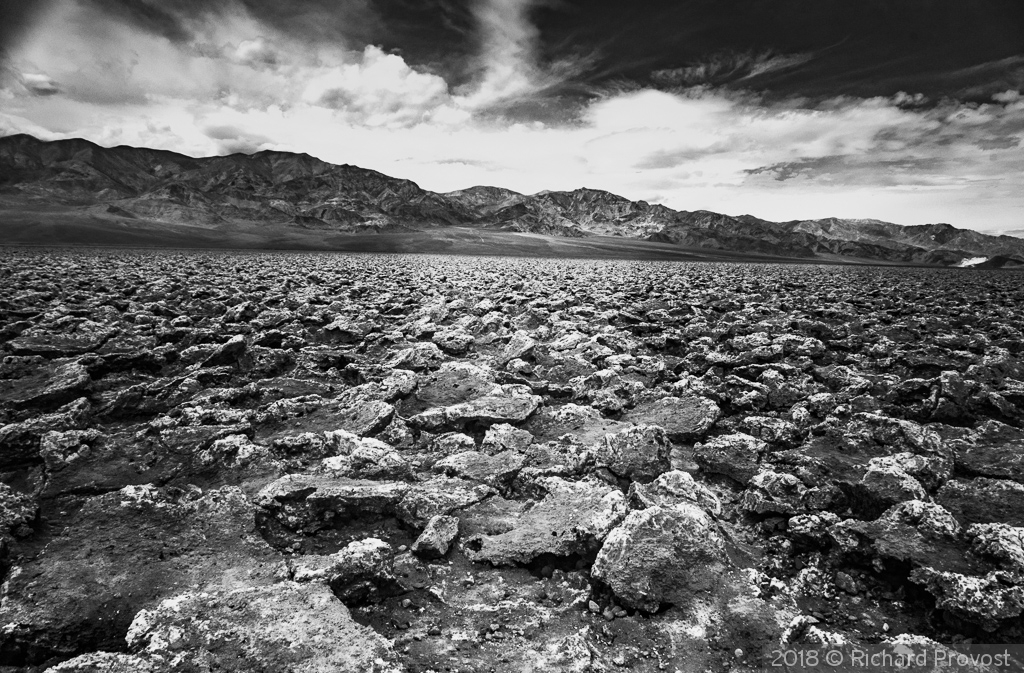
x,y
281,192
276,187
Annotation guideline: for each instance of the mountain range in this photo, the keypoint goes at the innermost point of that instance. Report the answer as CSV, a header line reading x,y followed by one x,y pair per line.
x,y
275,197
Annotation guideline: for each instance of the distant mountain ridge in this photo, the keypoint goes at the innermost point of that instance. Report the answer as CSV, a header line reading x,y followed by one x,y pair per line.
x,y
283,189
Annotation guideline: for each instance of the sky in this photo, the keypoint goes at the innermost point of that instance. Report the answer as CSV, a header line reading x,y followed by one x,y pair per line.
x,y
909,111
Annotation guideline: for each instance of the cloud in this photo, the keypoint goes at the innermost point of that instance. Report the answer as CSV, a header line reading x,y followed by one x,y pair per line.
x,y
730,66
40,85
159,18
236,61
257,53
231,139
16,16
380,90
857,170
508,49
184,21
508,72
107,62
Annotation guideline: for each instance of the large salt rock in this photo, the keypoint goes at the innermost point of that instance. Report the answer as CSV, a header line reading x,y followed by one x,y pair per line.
x,y
508,404
454,341
684,418
498,470
436,539
453,383
774,492
107,662
345,331
227,353
775,431
914,532
994,450
639,454
503,404
309,503
984,600
52,385
519,346
17,514
983,500
883,486
930,471
124,551
60,344
312,502
734,455
234,451
504,437
363,458
572,518
439,496
451,443
357,573
584,424
673,488
662,555
417,357
259,629
365,418
362,568
997,541
884,435
19,442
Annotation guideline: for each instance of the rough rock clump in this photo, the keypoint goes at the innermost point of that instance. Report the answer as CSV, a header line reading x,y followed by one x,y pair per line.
x,y
662,555
17,514
257,629
684,418
639,454
672,488
571,518
140,543
437,537
735,456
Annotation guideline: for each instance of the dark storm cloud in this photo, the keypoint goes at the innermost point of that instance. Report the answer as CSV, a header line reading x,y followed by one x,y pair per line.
x,y
854,170
15,17
433,34
864,48
436,34
166,19
816,48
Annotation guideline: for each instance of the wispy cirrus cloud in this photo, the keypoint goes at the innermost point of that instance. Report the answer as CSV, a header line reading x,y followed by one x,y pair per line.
x,y
728,67
507,71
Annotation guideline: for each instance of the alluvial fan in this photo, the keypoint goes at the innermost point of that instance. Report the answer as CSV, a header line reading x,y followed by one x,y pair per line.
x,y
307,462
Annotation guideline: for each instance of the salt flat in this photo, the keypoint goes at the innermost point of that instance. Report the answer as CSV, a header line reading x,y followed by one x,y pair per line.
x,y
413,462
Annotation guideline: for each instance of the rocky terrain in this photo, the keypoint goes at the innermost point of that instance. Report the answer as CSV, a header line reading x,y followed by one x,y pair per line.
x,y
323,462
73,192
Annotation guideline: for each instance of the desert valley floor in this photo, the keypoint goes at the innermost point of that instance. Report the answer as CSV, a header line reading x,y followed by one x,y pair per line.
x,y
253,461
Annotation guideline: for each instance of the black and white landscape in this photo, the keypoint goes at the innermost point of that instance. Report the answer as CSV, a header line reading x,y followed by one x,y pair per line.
x,y
73,191
508,336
